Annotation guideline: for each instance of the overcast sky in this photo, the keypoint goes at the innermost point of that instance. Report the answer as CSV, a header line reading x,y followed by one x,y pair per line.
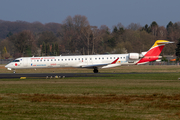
x,y
98,12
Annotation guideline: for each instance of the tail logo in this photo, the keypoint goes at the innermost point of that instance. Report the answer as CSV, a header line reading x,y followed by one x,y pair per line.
x,y
153,53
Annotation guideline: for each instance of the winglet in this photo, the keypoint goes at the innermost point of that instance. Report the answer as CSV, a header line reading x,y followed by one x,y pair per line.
x,y
115,61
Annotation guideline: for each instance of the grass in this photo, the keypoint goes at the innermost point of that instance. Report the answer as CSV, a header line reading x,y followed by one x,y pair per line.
x,y
124,96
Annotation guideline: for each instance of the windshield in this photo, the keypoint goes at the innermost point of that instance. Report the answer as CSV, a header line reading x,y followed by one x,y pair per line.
x,y
16,61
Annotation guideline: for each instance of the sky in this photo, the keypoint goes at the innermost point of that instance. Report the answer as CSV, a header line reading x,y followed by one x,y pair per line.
x,y
98,12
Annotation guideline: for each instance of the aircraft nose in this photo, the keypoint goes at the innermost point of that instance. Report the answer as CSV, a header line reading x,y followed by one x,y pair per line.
x,y
7,66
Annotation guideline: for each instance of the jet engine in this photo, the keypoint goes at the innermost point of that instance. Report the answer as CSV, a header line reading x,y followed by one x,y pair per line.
x,y
135,56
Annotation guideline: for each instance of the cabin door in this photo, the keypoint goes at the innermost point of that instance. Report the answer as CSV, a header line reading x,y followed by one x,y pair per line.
x,y
25,62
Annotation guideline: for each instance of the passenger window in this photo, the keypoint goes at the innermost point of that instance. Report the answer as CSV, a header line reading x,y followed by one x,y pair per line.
x,y
71,59
110,57
85,58
103,58
54,59
107,57
65,59
95,58
79,59
51,59
37,60
75,59
99,58
61,59
90,58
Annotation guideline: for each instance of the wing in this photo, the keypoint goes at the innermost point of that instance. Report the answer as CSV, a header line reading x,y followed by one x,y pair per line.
x,y
106,65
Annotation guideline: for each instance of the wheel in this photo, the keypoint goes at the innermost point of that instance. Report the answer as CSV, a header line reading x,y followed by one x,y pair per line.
x,y
95,70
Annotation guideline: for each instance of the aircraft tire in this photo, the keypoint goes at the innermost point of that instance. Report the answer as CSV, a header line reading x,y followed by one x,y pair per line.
x,y
95,70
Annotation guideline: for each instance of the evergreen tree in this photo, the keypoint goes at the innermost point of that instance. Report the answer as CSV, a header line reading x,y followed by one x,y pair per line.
x,y
154,24
115,30
146,28
9,34
169,27
43,50
154,28
178,50
47,49
121,30
56,49
112,42
53,50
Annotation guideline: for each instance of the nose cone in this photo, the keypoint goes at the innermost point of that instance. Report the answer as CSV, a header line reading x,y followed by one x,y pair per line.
x,y
8,66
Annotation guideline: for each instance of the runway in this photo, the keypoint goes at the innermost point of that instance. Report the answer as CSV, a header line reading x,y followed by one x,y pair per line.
x,y
53,75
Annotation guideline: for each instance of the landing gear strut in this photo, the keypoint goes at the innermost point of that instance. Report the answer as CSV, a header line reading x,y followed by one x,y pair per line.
x,y
95,70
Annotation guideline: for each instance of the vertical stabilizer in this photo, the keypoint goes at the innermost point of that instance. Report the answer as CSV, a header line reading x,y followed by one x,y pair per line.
x,y
153,53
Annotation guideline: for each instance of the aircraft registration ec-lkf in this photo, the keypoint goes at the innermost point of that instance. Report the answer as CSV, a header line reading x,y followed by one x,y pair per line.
x,y
90,61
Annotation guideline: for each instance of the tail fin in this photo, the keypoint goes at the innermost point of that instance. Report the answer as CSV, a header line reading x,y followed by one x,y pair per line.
x,y
153,53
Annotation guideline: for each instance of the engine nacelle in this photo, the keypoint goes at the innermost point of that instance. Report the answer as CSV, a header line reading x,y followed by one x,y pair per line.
x,y
134,56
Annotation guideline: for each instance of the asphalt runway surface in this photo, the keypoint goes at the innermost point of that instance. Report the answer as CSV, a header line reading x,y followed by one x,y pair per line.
x,y
53,75
50,75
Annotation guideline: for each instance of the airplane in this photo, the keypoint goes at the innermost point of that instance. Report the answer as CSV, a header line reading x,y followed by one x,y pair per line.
x,y
94,62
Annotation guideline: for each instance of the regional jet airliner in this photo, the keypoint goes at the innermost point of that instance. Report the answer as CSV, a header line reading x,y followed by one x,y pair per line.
x,y
94,62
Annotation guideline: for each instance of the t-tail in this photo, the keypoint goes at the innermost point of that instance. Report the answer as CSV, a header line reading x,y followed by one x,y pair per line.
x,y
153,53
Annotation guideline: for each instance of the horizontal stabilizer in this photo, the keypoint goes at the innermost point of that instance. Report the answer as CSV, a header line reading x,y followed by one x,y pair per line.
x,y
165,42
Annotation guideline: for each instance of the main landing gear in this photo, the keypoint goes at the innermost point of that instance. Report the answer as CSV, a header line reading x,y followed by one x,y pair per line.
x,y
95,70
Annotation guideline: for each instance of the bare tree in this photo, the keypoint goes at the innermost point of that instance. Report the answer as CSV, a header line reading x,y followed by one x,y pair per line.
x,y
161,33
134,26
23,42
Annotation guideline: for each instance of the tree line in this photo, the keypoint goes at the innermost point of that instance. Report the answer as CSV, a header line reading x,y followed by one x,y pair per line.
x,y
76,36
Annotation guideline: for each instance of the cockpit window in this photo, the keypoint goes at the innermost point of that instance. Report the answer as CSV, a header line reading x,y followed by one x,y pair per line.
x,y
16,61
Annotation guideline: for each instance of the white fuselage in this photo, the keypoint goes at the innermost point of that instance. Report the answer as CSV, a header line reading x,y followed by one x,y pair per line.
x,y
79,61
